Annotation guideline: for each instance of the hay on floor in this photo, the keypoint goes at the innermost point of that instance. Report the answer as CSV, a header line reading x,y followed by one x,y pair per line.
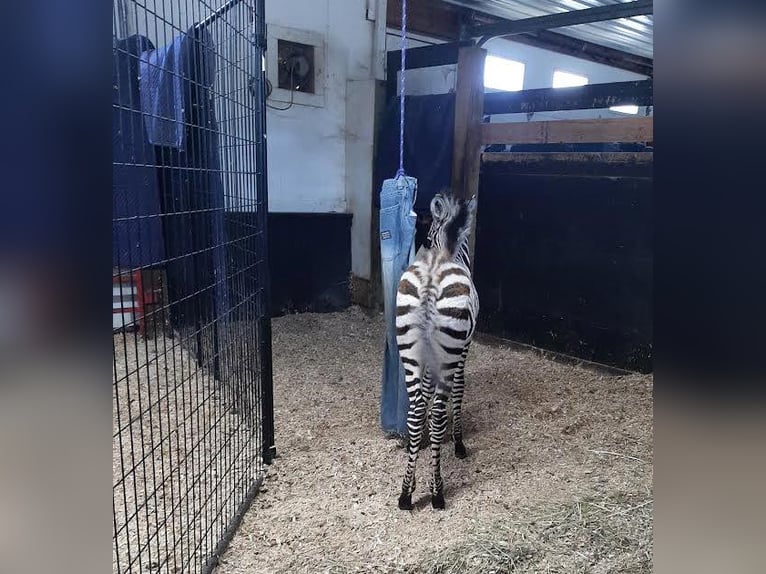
x,y
558,477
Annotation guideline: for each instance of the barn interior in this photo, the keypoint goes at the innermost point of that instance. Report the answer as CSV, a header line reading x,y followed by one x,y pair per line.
x,y
251,139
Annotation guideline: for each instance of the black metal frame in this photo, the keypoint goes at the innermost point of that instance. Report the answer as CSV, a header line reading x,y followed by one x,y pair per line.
x,y
589,51
193,397
534,32
591,96
220,13
545,38
561,20
269,447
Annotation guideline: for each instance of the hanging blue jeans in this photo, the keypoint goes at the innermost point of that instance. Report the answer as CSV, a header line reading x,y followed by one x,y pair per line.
x,y
397,250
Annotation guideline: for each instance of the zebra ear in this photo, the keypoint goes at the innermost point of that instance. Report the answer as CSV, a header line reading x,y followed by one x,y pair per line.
x,y
438,208
472,205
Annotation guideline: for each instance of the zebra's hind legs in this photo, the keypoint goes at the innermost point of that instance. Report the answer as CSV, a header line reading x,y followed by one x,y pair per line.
x,y
457,407
405,498
438,428
437,500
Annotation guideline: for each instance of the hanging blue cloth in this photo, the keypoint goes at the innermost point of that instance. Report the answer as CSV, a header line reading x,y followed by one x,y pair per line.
x,y
164,81
137,239
397,250
191,184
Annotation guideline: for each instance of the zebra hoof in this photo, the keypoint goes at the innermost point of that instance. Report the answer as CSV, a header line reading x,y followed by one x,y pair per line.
x,y
405,501
437,501
460,451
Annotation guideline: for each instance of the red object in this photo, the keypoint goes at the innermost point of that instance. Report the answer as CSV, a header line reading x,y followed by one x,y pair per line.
x,y
130,299
127,300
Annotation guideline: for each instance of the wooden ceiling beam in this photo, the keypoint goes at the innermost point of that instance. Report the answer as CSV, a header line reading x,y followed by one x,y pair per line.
x,y
432,18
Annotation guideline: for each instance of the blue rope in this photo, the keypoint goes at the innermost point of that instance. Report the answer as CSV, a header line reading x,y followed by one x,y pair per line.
x,y
400,172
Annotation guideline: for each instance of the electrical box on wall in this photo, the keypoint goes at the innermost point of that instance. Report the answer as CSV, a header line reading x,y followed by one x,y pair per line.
x,y
295,66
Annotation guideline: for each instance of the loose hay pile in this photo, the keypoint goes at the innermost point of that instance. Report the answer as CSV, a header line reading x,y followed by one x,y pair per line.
x,y
589,535
558,477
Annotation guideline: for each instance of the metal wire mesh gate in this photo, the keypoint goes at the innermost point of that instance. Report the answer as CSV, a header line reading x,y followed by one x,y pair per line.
x,y
193,415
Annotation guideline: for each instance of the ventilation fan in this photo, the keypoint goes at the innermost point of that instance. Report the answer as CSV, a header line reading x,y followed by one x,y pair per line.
x,y
295,63
296,72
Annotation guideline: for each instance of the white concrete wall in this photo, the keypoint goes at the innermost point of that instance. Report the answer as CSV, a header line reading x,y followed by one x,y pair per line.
x,y
321,159
360,137
307,145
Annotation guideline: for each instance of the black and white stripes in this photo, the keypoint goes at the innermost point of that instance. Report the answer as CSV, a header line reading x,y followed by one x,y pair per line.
x,y
436,309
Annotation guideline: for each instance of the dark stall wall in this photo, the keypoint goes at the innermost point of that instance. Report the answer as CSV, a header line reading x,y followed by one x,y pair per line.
x,y
309,261
428,134
564,258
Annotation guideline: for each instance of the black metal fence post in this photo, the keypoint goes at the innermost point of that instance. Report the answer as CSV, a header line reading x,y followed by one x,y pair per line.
x,y
264,339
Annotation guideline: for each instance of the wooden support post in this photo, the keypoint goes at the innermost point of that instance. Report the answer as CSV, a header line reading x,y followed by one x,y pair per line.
x,y
469,106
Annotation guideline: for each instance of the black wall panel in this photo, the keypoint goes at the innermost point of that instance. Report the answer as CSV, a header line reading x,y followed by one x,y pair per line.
x,y
564,260
309,260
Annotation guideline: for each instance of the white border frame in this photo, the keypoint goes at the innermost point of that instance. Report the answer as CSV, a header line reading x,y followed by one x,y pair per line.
x,y
276,33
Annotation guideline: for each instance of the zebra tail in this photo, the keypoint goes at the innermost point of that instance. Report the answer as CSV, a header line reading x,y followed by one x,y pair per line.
x,y
430,356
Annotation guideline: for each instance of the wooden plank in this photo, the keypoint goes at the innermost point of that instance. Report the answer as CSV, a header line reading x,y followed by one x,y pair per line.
x,y
592,96
612,158
426,56
469,105
628,130
432,18
570,164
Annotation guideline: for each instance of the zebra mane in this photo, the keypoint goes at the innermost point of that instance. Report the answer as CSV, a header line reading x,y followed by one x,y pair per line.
x,y
452,220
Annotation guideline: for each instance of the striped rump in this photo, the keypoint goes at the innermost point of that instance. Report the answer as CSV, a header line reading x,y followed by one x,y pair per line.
x,y
436,310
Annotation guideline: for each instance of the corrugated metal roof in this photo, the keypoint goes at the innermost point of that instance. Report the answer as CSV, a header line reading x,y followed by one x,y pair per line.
x,y
634,35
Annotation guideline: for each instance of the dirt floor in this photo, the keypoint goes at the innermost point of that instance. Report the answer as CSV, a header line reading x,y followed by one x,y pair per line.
x,y
558,477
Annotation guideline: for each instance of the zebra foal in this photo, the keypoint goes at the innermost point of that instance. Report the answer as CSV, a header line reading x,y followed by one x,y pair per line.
x,y
436,309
